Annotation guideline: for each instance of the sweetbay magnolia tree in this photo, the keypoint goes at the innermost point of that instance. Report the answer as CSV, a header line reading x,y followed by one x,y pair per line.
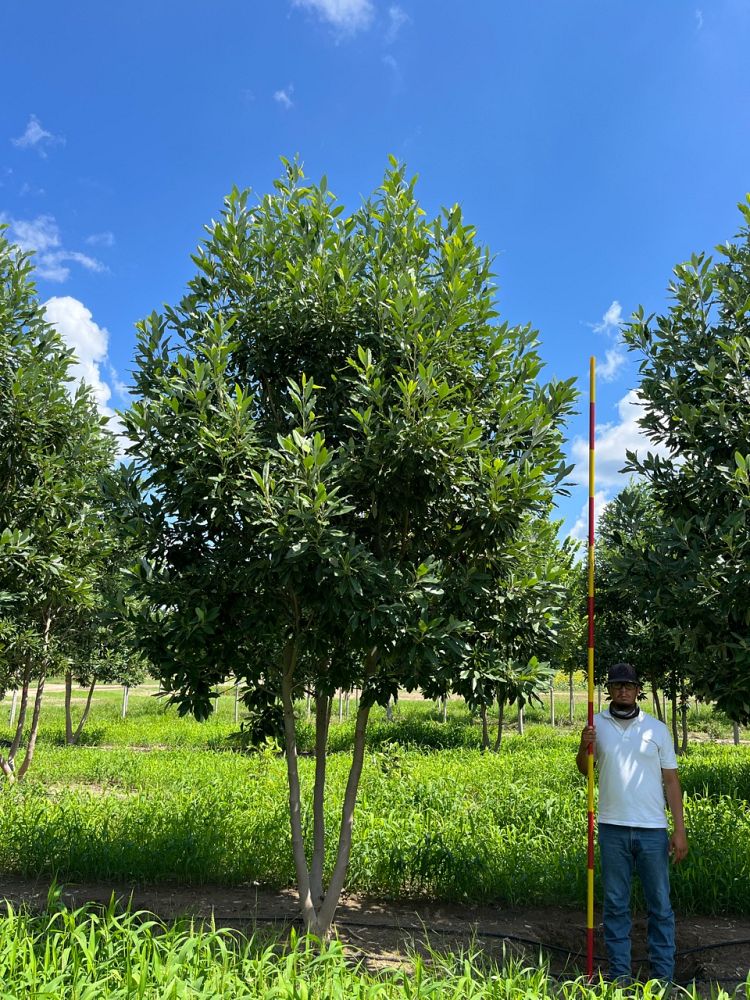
x,y
329,431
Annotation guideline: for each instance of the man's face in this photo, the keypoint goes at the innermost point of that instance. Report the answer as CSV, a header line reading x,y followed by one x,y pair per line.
x,y
624,694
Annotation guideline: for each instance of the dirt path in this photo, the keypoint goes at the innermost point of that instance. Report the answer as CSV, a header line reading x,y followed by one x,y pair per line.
x,y
384,934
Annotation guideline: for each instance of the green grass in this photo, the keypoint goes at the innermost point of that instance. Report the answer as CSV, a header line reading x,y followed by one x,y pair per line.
x,y
455,825
91,954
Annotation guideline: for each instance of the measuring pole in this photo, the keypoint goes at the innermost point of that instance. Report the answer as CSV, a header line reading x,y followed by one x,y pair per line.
x,y
590,873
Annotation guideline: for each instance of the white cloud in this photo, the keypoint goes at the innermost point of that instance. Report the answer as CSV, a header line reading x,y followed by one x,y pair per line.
x,y
76,326
347,16
284,97
613,440
105,239
611,321
580,529
36,137
42,235
698,19
614,359
397,18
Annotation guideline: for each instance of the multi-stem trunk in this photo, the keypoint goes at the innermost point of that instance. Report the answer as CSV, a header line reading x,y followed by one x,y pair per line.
x,y
34,731
318,916
657,702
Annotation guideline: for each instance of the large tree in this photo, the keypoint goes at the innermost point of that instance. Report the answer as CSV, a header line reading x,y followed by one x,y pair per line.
x,y
695,374
54,451
329,430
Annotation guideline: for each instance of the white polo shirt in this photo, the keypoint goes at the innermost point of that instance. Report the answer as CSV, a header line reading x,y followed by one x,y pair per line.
x,y
630,759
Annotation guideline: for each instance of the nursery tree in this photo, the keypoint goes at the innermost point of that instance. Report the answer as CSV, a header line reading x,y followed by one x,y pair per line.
x,y
327,428
53,451
694,386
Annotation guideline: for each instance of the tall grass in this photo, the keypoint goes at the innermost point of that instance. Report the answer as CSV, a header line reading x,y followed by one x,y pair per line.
x,y
90,954
457,825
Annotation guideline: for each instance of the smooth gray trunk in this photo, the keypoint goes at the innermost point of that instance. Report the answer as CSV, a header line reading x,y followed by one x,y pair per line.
x,y
125,698
736,734
236,702
500,717
13,703
485,728
322,722
86,709
520,721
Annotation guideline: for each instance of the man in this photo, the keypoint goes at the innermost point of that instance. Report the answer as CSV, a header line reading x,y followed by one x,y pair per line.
x,y
636,762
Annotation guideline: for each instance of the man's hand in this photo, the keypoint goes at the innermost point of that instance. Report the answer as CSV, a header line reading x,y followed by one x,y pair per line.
x,y
588,739
678,846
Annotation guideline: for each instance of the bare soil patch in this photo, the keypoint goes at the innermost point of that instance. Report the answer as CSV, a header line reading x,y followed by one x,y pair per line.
x,y
387,934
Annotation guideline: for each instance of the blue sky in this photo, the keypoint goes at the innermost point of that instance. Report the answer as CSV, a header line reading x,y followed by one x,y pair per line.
x,y
593,143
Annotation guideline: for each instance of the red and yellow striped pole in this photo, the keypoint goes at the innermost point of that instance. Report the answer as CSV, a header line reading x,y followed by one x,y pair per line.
x,y
590,873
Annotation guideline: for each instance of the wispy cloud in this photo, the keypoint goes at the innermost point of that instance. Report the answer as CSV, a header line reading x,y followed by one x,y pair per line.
x,y
394,72
284,97
698,19
42,235
397,18
346,16
36,137
105,239
615,357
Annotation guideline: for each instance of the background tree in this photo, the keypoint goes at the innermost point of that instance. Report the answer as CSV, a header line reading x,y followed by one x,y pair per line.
x,y
694,386
53,453
339,427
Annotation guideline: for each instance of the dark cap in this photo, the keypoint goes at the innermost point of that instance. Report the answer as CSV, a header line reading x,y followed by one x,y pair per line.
x,y
624,672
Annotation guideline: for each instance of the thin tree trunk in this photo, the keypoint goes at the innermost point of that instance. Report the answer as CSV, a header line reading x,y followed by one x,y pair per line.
x,y
571,699
13,702
500,717
21,712
125,697
331,901
322,719
236,702
84,717
346,705
389,710
485,728
31,745
552,704
675,734
520,721
307,905
736,734
684,718
68,715
598,697
445,708
657,702
341,707
308,706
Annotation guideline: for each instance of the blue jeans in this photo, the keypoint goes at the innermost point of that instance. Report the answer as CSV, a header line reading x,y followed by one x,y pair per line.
x,y
647,850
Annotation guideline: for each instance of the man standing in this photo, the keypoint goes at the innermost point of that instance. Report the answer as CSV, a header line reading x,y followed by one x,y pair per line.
x,y
636,761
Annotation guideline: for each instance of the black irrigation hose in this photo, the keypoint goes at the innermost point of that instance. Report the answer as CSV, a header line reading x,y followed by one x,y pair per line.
x,y
500,935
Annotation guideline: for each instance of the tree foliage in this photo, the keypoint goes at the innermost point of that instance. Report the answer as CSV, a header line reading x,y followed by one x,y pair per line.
x,y
695,373
53,453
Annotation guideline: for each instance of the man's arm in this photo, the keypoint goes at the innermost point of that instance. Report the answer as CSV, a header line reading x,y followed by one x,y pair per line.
x,y
588,736
678,845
